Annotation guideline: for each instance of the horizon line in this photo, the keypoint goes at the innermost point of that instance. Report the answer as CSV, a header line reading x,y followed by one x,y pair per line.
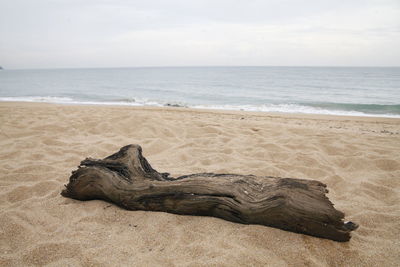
x,y
209,66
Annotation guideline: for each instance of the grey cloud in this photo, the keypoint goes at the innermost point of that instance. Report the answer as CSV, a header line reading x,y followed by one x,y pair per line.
x,y
69,33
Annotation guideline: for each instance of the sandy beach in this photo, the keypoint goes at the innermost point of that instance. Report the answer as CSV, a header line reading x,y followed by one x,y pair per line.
x,y
357,157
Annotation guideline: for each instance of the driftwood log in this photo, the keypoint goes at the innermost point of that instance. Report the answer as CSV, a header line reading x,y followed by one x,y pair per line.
x,y
127,179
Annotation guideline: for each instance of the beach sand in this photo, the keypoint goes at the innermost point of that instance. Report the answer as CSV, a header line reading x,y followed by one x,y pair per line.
x,y
358,158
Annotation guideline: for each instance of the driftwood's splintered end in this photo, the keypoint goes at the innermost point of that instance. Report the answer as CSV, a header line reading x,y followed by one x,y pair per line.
x,y
128,180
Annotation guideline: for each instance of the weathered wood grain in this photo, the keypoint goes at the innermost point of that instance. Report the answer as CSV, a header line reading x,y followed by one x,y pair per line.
x,y
127,179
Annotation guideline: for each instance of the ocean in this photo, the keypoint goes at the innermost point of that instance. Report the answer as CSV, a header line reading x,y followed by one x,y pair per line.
x,y
357,91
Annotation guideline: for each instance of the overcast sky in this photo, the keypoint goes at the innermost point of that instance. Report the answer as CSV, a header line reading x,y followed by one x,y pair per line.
x,y
118,33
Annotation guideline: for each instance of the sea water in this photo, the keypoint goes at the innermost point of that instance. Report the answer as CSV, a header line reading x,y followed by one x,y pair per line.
x,y
360,91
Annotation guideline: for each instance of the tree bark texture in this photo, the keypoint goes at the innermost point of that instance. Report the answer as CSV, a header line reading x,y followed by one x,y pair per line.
x,y
127,179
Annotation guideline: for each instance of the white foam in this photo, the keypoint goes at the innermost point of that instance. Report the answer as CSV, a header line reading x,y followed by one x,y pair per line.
x,y
45,99
67,100
293,108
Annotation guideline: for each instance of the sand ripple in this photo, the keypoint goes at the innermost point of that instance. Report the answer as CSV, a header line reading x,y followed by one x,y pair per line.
x,y
41,144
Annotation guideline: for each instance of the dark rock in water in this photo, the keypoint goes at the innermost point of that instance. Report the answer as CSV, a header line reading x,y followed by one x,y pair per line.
x,y
1,67
174,105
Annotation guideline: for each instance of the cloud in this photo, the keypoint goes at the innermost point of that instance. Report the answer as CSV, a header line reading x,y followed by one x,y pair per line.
x,y
158,33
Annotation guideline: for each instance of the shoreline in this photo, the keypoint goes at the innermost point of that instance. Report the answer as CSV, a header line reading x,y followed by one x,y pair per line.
x,y
211,110
244,108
